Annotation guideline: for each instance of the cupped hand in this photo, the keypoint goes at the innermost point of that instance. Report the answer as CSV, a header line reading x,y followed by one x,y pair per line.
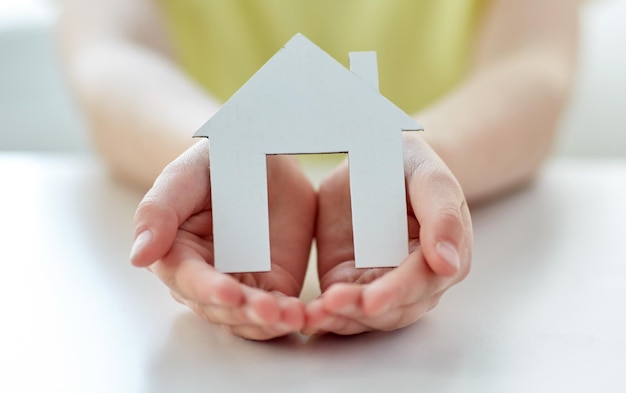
x,y
173,238
440,241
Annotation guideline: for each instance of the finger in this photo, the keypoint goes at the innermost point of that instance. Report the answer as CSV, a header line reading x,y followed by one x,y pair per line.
x,y
229,316
357,322
343,298
273,310
337,306
338,324
315,316
187,274
411,282
340,311
262,308
177,297
395,318
292,314
225,316
439,205
179,191
257,333
267,316
401,316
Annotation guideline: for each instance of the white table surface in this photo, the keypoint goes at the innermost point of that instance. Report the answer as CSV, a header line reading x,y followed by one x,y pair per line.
x,y
543,309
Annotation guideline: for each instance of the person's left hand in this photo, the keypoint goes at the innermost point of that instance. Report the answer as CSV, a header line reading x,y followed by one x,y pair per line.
x,y
440,239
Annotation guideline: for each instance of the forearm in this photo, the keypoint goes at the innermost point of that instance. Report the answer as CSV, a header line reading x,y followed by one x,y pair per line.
x,y
140,107
496,129
141,110
498,126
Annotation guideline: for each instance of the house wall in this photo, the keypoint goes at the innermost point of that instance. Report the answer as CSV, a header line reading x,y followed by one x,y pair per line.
x,y
37,113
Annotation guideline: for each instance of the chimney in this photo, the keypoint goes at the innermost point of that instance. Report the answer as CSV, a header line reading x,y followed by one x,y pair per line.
x,y
363,64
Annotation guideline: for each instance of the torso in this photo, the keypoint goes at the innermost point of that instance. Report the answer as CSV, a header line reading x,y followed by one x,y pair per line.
x,y
423,46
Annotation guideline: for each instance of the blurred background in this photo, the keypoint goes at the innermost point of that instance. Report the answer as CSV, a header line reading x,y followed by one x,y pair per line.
x,y
37,111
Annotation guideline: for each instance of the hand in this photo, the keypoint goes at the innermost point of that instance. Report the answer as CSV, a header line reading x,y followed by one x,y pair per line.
x,y
440,240
173,227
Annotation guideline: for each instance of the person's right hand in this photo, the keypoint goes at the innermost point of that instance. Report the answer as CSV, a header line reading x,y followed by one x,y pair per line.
x,y
173,238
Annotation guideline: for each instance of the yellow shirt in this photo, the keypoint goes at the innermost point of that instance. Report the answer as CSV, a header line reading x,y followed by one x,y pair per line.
x,y
423,46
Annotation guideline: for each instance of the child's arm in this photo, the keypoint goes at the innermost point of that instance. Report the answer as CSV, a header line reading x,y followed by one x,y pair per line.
x,y
141,108
496,129
493,132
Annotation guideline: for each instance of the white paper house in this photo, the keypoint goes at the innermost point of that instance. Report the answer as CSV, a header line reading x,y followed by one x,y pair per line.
x,y
303,101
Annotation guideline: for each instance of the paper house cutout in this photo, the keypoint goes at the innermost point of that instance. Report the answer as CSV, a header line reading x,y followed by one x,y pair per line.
x,y
302,101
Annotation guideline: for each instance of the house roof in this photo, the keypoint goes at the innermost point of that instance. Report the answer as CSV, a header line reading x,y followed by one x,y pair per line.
x,y
302,88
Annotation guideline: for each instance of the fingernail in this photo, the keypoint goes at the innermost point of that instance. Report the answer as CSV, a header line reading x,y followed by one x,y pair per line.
x,y
449,253
141,241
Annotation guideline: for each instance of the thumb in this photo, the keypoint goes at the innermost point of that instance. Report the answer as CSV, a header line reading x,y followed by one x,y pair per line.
x,y
180,191
440,208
